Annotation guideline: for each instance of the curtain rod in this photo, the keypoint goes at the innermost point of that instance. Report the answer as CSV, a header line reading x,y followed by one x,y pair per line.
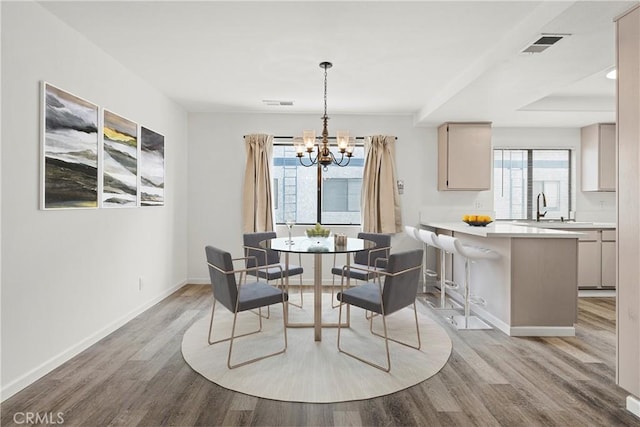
x,y
317,137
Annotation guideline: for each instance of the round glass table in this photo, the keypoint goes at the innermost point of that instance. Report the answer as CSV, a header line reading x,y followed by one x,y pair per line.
x,y
317,246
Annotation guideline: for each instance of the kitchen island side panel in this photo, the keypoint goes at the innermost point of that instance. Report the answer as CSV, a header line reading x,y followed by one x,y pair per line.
x,y
544,282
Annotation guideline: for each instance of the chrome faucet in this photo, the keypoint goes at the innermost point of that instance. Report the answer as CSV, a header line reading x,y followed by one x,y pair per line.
x,y
544,205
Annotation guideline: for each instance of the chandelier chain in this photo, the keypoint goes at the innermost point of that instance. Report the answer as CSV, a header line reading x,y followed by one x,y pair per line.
x,y
325,91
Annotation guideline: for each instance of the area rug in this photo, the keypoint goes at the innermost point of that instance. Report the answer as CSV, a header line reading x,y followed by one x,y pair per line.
x,y
315,372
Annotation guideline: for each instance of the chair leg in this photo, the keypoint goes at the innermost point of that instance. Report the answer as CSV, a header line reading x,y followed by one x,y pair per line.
x,y
386,342
246,362
415,315
227,339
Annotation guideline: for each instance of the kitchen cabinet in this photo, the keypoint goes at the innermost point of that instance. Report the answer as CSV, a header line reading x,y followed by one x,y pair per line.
x,y
464,156
589,260
596,258
608,258
598,157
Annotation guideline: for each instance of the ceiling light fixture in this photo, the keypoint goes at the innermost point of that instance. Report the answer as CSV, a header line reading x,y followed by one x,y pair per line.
x,y
308,142
613,74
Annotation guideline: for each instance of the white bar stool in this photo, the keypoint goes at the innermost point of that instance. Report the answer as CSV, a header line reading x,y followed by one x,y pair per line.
x,y
431,239
470,254
414,233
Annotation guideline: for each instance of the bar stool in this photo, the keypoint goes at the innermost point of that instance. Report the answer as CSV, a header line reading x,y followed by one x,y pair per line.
x,y
413,232
431,239
470,254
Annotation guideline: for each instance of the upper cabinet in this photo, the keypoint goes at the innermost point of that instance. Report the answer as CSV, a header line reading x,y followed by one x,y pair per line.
x,y
598,157
464,156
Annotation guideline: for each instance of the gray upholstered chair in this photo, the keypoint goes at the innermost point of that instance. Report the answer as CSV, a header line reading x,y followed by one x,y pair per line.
x,y
364,262
383,297
238,297
269,260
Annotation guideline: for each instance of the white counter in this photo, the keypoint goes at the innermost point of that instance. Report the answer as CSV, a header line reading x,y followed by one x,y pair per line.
x,y
532,288
503,229
571,225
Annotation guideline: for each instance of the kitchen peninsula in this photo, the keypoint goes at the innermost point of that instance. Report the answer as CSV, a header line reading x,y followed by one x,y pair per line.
x,y
531,290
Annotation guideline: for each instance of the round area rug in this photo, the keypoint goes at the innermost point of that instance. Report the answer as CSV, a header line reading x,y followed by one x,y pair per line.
x,y
315,372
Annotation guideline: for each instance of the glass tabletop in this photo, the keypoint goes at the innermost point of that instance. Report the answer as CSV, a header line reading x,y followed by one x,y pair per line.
x,y
310,245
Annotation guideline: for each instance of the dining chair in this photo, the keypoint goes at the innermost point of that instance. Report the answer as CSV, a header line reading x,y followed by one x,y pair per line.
x,y
240,296
269,260
384,297
365,262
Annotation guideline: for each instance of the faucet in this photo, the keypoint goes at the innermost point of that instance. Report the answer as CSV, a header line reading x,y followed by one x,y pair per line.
x,y
544,205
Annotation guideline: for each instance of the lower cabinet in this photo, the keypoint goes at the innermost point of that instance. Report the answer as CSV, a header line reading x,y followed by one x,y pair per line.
x,y
609,258
597,259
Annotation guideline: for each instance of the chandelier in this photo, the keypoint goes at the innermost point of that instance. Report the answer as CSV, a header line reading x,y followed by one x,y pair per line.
x,y
308,142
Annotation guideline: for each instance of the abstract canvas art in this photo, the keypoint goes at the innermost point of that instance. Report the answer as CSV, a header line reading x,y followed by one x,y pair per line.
x,y
70,151
120,161
151,168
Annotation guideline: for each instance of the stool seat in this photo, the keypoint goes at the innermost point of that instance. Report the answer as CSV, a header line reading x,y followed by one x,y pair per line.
x,y
470,253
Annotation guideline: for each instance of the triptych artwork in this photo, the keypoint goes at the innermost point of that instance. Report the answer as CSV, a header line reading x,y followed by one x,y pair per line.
x,y
97,160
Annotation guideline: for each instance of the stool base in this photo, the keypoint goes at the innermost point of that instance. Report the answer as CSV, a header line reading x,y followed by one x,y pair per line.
x,y
474,323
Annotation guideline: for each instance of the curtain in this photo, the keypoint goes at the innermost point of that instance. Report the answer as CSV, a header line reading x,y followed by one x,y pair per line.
x,y
257,205
380,197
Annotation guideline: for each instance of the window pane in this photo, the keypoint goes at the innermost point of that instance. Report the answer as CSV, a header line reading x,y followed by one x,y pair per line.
x,y
510,184
341,189
519,176
297,197
551,177
295,188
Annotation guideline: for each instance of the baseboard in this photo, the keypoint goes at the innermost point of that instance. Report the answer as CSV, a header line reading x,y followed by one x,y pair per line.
x,y
51,364
633,405
596,293
518,331
543,331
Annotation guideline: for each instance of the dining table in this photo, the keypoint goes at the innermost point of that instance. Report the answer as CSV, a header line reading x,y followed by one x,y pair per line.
x,y
318,246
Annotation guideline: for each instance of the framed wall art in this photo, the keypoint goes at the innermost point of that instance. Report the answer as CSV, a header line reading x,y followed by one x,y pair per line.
x,y
69,144
119,161
151,168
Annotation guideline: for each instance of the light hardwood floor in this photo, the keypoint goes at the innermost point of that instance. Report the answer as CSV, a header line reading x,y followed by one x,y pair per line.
x,y
136,376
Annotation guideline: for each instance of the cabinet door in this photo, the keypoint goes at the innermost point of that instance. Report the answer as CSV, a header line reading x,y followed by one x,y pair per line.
x,y
589,271
469,156
607,152
609,264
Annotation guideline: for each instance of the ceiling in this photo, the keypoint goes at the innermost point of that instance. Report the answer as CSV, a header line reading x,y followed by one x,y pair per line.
x,y
437,60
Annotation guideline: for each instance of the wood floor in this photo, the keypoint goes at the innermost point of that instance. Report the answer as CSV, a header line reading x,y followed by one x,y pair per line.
x,y
136,376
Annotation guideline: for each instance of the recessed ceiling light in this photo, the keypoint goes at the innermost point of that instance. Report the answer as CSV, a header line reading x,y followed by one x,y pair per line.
x,y
613,74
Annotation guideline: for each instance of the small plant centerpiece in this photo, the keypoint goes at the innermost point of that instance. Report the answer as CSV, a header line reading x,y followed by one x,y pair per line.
x,y
319,235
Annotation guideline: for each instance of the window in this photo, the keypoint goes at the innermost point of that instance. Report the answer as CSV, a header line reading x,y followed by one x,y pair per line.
x,y
519,176
296,189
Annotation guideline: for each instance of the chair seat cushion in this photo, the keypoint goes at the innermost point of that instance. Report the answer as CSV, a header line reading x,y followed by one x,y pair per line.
x,y
366,296
357,274
258,294
274,272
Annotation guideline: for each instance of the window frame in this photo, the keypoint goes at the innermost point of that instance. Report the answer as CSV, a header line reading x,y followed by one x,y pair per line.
x,y
288,141
530,199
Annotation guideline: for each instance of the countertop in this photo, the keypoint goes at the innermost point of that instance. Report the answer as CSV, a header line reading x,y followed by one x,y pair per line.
x,y
578,225
503,230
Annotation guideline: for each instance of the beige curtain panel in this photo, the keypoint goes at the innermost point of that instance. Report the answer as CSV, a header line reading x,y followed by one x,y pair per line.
x,y
380,198
257,204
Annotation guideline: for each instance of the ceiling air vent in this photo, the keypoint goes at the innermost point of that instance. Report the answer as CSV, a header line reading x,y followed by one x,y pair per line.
x,y
544,42
277,103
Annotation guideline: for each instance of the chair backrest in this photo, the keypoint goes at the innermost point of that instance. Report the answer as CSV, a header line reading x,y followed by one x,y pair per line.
x,y
223,284
448,243
253,240
400,290
381,240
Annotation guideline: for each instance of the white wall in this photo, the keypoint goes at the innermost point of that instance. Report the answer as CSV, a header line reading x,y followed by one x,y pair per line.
x,y
217,163
70,277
